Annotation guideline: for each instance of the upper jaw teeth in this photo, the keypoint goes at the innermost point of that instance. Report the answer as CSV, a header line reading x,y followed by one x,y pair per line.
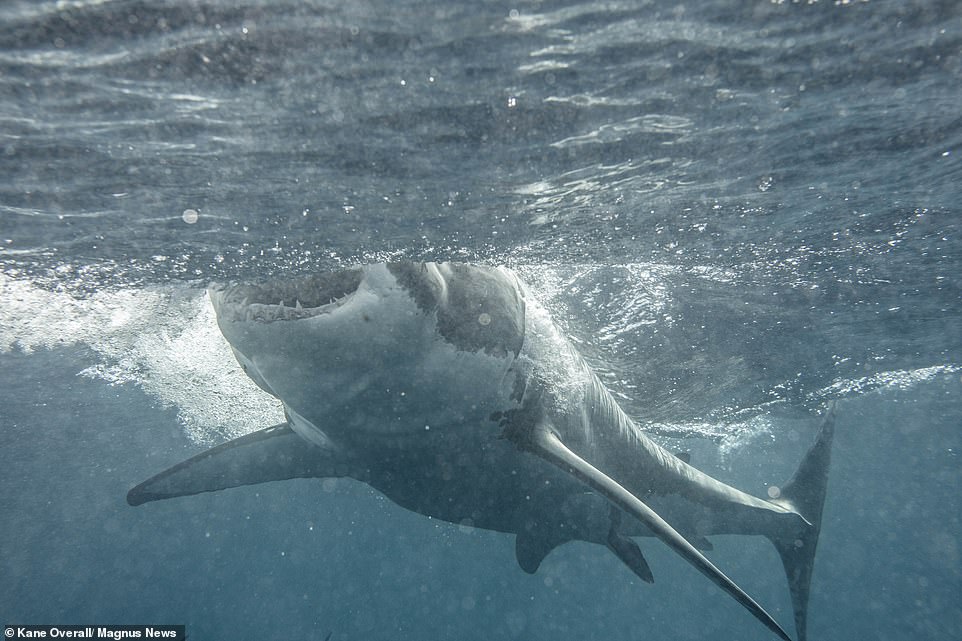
x,y
246,311
294,299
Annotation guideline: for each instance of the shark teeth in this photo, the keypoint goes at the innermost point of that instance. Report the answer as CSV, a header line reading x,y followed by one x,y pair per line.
x,y
285,300
267,313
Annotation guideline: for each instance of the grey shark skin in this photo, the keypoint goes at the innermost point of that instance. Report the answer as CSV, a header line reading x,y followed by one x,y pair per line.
x,y
447,388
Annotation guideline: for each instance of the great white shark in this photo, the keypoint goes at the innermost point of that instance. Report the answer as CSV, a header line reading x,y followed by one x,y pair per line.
x,y
450,390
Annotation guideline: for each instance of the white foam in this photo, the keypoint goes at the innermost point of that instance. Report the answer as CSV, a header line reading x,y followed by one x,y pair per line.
x,y
165,340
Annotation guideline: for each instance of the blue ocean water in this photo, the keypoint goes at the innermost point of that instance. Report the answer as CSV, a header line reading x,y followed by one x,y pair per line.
x,y
739,211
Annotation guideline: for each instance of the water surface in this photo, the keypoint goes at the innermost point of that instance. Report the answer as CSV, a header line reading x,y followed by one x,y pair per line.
x,y
740,211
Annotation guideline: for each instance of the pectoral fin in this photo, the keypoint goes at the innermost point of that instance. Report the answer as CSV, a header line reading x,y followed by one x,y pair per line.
x,y
272,454
543,441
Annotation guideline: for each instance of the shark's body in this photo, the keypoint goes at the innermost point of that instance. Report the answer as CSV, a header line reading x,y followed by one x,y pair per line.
x,y
448,389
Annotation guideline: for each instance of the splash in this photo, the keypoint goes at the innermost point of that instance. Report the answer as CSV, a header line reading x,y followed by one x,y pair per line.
x,y
164,340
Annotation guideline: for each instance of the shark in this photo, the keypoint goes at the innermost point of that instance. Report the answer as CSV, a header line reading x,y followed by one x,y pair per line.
x,y
448,388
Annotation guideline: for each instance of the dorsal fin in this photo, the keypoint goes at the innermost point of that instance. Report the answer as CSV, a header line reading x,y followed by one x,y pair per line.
x,y
534,543
541,439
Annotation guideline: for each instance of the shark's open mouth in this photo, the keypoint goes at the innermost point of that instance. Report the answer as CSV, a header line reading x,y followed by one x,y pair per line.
x,y
287,299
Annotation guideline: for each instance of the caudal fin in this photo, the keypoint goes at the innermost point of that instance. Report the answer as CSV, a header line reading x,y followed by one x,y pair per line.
x,y
805,494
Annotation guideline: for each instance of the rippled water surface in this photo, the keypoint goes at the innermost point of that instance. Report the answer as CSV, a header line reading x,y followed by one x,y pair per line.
x,y
739,211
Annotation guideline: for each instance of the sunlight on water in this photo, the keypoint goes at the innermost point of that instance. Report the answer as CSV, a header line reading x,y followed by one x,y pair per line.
x,y
893,380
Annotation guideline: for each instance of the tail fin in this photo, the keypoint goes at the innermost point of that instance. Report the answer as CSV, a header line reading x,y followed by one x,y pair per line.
x,y
805,494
